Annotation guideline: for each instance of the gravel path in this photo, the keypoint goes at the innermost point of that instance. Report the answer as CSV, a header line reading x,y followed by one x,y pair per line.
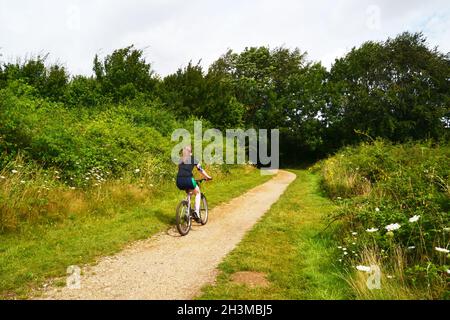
x,y
168,266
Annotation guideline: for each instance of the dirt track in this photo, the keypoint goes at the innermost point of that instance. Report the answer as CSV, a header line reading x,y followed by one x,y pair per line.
x,y
168,266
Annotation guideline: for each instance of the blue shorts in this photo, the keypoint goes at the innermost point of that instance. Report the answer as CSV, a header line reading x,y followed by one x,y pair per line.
x,y
186,183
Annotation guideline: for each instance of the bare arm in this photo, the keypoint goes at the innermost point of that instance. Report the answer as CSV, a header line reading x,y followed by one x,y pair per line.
x,y
203,172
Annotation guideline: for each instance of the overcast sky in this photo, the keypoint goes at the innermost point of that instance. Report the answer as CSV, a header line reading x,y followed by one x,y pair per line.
x,y
172,32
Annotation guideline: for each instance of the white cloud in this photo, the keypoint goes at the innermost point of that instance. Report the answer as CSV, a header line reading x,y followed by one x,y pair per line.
x,y
175,31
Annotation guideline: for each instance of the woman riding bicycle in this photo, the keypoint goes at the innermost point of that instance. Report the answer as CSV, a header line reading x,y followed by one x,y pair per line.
x,y
185,177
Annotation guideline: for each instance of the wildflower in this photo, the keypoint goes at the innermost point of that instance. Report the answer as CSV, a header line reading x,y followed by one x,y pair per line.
x,y
72,188
414,219
390,277
23,181
339,247
354,233
345,253
340,260
377,209
448,271
58,177
339,198
372,230
151,185
354,243
363,268
392,227
443,250
447,229
87,178
56,172
411,247
14,171
345,249
137,170
2,177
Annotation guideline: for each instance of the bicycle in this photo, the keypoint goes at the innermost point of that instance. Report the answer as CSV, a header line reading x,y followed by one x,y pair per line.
x,y
185,212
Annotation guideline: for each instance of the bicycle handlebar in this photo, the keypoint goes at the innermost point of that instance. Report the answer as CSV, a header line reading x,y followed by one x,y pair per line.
x,y
202,180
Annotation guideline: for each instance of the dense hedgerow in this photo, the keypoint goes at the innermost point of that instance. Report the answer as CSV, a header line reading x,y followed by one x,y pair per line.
x,y
114,138
394,202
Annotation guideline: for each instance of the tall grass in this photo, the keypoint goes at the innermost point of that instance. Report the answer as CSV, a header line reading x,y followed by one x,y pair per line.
x,y
32,195
394,205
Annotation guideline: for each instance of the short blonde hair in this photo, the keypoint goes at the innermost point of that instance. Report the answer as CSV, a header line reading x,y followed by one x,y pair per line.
x,y
186,154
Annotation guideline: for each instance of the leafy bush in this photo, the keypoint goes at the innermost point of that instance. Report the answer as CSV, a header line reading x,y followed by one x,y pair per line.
x,y
115,138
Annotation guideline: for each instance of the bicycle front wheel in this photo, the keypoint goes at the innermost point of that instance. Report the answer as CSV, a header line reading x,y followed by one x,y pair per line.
x,y
203,210
183,219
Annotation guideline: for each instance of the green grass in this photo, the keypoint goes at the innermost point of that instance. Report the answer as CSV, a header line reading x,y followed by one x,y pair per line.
x,y
290,247
36,253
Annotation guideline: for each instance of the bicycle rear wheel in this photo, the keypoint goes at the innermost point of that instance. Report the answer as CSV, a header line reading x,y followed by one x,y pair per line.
x,y
183,219
203,210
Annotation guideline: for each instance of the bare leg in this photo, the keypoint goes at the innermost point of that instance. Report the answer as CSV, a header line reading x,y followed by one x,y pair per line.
x,y
197,199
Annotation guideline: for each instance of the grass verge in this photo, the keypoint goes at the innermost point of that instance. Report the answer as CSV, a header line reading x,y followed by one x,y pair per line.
x,y
290,247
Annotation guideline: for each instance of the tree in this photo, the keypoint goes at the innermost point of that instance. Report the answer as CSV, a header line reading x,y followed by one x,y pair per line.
x,y
50,82
184,92
397,89
124,73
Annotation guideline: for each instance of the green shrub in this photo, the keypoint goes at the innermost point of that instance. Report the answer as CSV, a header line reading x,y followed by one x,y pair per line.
x,y
112,138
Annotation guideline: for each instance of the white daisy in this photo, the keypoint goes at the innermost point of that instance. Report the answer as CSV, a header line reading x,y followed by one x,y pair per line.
x,y
372,230
443,250
364,268
392,227
377,209
14,171
414,219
